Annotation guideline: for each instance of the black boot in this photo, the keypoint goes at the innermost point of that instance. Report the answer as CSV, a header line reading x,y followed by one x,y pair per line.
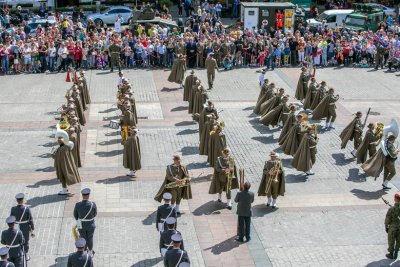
x,y
390,256
396,252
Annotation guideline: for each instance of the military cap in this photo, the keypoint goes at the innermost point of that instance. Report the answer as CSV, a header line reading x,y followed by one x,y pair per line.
x,y
170,220
3,251
80,243
226,151
85,191
397,196
11,220
192,72
273,154
370,125
20,196
167,196
358,113
176,157
176,238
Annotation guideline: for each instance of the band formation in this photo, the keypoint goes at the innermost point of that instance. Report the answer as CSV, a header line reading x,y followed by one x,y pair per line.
x,y
374,147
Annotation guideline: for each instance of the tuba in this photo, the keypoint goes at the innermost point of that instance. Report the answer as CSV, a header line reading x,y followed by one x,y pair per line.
x,y
62,126
392,128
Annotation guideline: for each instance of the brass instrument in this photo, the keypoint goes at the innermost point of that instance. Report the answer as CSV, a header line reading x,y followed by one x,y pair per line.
x,y
315,128
179,183
241,179
379,130
75,232
273,174
124,132
231,166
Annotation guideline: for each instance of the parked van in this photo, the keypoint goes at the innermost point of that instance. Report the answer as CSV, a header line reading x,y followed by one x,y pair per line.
x,y
332,18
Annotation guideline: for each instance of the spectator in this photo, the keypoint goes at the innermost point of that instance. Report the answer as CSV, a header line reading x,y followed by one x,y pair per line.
x,y
244,199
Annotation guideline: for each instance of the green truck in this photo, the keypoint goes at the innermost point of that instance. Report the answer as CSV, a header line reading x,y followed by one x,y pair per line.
x,y
366,17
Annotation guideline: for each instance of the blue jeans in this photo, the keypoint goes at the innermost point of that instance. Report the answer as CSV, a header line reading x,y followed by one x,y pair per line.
x,y
5,63
272,62
51,63
170,59
43,63
244,221
235,10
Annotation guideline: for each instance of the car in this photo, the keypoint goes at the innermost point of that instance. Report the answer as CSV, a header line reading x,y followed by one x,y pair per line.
x,y
330,18
109,15
387,10
36,22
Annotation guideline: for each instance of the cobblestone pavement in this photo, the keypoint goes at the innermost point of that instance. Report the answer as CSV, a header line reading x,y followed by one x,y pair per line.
x,y
334,218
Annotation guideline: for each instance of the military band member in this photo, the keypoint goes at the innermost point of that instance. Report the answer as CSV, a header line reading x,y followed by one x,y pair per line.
x,y
78,89
176,173
327,109
176,256
272,103
83,87
302,87
192,94
277,115
4,258
206,111
216,144
273,180
353,131
291,120
304,159
164,212
311,94
165,237
321,93
189,82
200,98
178,70
266,93
80,258
200,46
14,240
211,66
374,166
368,145
291,141
392,226
132,155
225,177
115,51
209,125
73,137
85,212
66,170
24,220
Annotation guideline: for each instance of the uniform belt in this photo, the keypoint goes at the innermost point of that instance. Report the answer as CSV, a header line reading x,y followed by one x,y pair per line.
x,y
87,220
373,143
14,246
162,219
331,104
286,113
312,146
22,222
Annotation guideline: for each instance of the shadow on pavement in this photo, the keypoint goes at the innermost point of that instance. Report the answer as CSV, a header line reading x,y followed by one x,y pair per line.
x,y
356,176
224,246
194,166
261,210
265,139
60,261
44,183
287,163
180,108
148,262
208,208
190,150
165,89
111,153
249,108
110,142
187,131
341,160
201,179
46,169
299,178
368,195
185,123
114,133
115,180
49,144
44,156
150,218
37,201
383,263
108,110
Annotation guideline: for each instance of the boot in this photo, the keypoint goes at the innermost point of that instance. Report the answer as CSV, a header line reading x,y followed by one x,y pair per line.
x,y
389,256
385,185
219,197
229,205
63,191
326,125
396,252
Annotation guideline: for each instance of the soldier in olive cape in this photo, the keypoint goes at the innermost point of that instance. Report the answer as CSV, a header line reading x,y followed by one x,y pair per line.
x,y
368,145
272,182
206,111
178,70
66,170
79,108
291,141
192,94
379,161
304,159
132,155
200,98
131,99
327,109
200,46
311,94
84,87
206,133
392,226
225,177
289,123
73,137
79,88
353,131
216,144
115,51
301,90
272,103
211,66
278,115
189,82
175,172
321,93
266,93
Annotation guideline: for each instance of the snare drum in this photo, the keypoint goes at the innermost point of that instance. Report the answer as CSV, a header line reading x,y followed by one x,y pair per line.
x,y
114,124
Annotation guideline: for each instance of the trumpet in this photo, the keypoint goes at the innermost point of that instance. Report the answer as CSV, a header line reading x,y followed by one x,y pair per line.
x,y
315,126
178,183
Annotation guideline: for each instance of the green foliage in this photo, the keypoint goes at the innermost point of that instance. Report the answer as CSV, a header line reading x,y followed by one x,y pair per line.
x,y
168,3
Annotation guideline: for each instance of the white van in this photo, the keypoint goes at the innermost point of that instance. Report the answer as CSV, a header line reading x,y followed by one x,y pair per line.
x,y
332,18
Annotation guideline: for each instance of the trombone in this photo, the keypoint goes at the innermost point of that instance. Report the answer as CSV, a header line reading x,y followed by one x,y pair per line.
x,y
273,174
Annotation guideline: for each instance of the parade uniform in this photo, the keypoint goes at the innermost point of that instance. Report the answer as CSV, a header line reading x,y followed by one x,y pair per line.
x,y
85,211
190,80
276,115
166,235
76,149
319,96
389,169
14,240
203,115
266,93
174,257
24,220
220,181
115,52
291,142
177,71
353,131
200,46
269,186
211,66
80,258
310,96
301,89
164,212
132,155
200,98
304,158
367,147
4,255
392,224
66,170
216,144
